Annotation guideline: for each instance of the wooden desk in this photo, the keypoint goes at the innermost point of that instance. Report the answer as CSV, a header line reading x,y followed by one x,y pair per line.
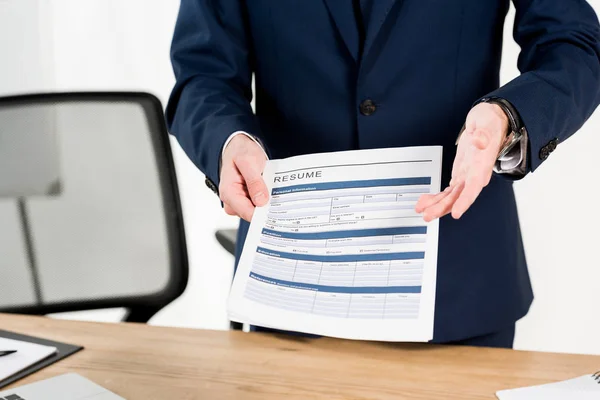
x,y
153,363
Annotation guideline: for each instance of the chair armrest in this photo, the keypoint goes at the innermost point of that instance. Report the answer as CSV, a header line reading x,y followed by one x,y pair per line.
x,y
227,238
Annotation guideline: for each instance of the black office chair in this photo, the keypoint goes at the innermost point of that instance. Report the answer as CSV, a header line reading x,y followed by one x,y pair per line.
x,y
108,230
227,239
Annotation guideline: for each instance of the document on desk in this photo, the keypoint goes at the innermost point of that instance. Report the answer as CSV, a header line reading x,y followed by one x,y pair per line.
x,y
26,354
339,250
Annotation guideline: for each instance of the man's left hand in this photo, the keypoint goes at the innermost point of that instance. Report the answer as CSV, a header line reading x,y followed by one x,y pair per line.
x,y
485,129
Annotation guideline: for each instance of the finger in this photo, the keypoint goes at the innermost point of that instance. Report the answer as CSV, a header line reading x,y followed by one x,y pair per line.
x,y
251,170
428,200
240,205
229,210
473,187
458,176
444,206
235,199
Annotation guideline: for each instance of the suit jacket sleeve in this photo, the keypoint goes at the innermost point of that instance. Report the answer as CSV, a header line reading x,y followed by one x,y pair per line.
x,y
559,85
211,59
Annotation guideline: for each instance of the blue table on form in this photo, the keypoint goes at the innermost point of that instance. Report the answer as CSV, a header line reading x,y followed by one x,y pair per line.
x,y
329,249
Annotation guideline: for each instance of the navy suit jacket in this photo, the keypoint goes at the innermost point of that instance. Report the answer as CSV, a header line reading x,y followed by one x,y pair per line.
x,y
423,63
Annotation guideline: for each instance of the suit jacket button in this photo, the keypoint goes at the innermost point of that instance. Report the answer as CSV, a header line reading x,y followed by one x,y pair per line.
x,y
367,108
552,145
211,185
544,153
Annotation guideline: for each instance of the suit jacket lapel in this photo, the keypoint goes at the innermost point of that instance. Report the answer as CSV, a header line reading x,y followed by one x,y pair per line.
x,y
379,12
342,13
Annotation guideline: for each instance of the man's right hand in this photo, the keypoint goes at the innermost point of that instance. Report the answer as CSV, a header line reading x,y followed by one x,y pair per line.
x,y
242,187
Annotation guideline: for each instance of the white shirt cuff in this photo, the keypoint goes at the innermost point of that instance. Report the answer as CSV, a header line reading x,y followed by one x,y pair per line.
x,y
255,140
515,162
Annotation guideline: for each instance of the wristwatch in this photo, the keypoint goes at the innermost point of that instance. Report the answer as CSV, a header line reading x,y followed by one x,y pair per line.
x,y
517,129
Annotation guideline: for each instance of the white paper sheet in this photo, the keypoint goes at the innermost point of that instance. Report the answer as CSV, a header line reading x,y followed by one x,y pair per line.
x,y
63,387
585,387
27,355
339,250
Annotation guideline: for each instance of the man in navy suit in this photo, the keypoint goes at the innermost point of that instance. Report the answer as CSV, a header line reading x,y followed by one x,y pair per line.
x,y
358,74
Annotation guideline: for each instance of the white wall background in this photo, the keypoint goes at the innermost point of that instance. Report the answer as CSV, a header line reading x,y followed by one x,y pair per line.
x,y
124,44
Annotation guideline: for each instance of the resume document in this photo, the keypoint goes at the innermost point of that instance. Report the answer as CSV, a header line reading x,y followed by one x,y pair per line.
x,y
339,250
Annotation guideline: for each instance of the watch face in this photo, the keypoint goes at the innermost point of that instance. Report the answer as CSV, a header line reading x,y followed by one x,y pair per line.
x,y
511,140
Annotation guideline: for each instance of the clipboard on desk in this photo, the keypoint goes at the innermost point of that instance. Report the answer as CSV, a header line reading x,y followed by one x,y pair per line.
x,y
63,350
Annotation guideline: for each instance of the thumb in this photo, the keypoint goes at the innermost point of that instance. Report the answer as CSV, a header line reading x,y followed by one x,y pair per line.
x,y
251,170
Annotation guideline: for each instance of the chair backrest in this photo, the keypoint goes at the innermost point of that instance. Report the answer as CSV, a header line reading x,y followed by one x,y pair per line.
x,y
108,229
